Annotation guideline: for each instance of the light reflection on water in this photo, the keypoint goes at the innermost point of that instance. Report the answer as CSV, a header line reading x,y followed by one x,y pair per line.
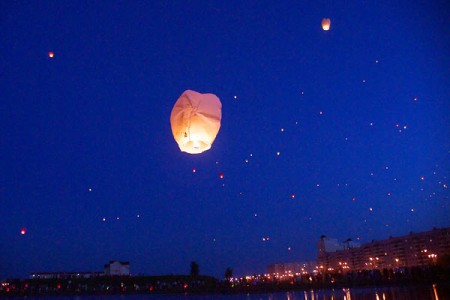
x,y
394,293
359,294
435,292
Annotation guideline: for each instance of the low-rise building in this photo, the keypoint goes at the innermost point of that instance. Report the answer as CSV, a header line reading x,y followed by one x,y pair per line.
x,y
65,275
113,268
117,268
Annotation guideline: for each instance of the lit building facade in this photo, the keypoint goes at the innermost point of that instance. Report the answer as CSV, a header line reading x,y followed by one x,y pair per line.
x,y
292,268
413,250
326,246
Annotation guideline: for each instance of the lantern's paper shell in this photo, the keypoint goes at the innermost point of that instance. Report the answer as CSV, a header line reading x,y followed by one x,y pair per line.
x,y
326,24
195,121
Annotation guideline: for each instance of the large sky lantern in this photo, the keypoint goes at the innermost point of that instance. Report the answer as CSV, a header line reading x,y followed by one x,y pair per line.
x,y
326,23
195,121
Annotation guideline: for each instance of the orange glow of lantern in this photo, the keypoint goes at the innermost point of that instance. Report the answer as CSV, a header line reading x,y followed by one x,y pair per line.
x,y
23,231
221,175
195,121
51,54
326,23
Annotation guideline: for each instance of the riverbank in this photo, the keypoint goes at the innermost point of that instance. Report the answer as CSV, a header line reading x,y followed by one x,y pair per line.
x,y
174,284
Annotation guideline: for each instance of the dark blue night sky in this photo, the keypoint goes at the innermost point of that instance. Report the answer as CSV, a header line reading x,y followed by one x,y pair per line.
x,y
354,122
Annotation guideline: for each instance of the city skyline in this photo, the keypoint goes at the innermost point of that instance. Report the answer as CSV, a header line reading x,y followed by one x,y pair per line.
x,y
336,250
343,132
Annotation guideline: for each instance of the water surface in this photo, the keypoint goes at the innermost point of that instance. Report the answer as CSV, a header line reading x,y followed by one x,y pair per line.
x,y
396,293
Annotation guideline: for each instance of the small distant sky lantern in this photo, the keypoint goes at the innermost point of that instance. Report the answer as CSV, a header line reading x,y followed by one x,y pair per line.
x,y
23,231
195,121
221,176
326,24
51,54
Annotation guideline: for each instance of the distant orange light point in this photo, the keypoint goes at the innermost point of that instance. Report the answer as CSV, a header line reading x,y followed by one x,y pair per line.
x,y
51,54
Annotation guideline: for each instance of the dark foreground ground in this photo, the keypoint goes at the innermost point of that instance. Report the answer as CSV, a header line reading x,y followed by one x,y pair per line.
x,y
437,276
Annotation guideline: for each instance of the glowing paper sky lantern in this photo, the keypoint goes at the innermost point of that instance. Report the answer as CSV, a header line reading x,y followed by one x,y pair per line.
x,y
195,121
326,24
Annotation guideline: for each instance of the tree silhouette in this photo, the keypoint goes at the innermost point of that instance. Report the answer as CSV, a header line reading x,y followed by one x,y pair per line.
x,y
194,268
228,273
